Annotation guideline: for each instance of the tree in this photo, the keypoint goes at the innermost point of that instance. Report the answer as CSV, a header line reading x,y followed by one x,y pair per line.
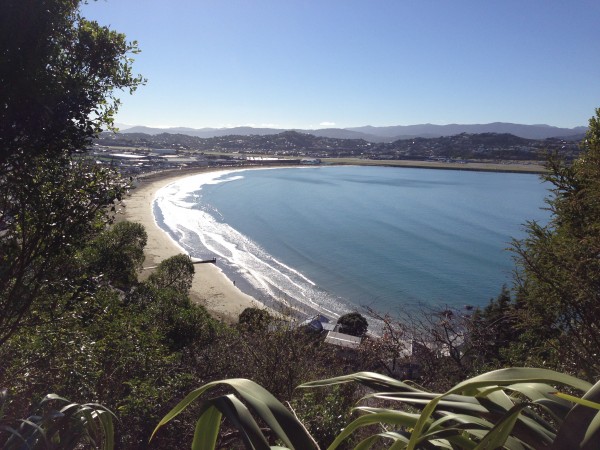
x,y
438,347
433,346
130,350
176,272
58,74
118,253
49,208
254,319
491,332
558,269
353,323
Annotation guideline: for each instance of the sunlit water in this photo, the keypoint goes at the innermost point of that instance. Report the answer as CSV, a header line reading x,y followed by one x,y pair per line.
x,y
330,239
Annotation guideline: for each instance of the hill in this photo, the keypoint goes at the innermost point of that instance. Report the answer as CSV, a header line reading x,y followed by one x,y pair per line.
x,y
490,146
382,134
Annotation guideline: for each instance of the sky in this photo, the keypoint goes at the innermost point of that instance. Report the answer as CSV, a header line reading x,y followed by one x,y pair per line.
x,y
347,63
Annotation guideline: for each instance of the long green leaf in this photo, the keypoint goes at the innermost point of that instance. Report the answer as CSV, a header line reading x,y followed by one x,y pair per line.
x,y
182,405
399,441
466,406
517,375
370,379
397,418
32,437
462,419
592,436
242,420
14,435
423,420
280,420
580,401
537,391
542,394
207,429
278,417
106,418
496,378
575,428
498,435
496,395
530,427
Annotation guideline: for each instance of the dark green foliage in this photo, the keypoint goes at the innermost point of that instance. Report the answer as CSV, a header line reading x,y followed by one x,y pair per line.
x,y
254,319
558,294
353,323
326,412
57,424
118,253
508,408
514,408
129,355
73,318
279,356
49,208
174,273
491,332
58,73
283,425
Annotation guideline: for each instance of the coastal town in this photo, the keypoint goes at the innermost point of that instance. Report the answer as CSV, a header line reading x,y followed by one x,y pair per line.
x,y
137,153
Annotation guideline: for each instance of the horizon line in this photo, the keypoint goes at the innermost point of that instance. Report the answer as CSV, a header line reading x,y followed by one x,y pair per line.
x,y
121,125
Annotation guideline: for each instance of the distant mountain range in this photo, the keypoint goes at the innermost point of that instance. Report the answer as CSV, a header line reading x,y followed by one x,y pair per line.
x,y
381,134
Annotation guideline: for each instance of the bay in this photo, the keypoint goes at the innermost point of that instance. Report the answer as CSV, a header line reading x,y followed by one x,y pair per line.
x,y
332,239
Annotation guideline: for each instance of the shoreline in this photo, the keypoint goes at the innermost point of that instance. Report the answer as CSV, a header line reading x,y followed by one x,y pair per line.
x,y
534,168
211,288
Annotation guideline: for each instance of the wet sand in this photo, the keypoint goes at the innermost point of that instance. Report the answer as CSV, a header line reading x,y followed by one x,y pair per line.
x,y
210,287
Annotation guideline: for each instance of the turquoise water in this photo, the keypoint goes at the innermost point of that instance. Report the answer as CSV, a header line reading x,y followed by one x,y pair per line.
x,y
333,238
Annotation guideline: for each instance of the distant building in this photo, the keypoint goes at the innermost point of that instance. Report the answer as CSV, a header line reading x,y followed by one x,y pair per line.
x,y
264,160
164,151
318,324
343,340
127,156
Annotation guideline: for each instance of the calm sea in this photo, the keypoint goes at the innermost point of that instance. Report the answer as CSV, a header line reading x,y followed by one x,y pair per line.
x,y
330,239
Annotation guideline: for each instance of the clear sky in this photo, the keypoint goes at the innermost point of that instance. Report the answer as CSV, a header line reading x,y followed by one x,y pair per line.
x,y
345,63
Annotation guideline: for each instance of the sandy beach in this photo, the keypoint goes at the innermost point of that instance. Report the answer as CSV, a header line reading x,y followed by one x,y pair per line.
x,y
210,287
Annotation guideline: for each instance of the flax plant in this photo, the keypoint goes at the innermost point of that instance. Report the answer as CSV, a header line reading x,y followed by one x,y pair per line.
x,y
515,408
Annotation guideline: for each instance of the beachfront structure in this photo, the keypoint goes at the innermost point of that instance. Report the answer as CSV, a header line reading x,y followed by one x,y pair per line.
x,y
164,151
322,324
268,160
343,340
310,161
318,324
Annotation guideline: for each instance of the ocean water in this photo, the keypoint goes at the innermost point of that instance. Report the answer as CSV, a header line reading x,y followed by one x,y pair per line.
x,y
333,239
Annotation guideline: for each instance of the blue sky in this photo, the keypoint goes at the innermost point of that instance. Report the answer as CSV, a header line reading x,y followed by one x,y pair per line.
x,y
345,63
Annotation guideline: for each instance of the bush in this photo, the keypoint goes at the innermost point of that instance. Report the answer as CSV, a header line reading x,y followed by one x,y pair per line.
x,y
515,408
354,324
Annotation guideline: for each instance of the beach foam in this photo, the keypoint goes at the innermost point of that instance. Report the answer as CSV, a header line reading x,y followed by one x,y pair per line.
x,y
200,231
